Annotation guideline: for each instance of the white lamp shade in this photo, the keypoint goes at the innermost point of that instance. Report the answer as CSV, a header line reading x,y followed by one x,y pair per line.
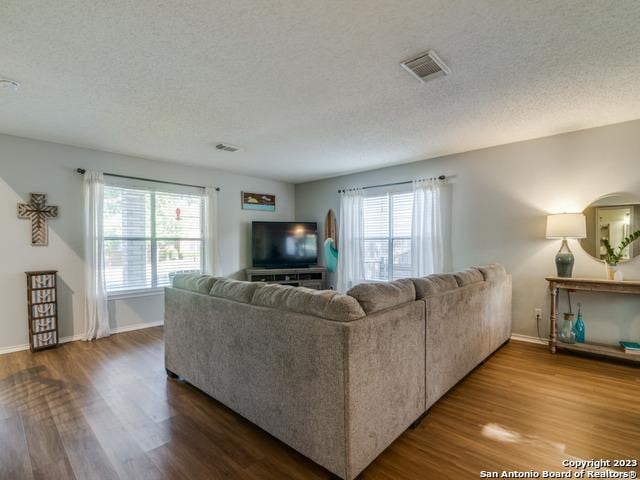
x,y
566,225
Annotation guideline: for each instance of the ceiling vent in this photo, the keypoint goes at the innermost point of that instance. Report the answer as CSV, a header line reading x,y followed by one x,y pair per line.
x,y
426,66
226,147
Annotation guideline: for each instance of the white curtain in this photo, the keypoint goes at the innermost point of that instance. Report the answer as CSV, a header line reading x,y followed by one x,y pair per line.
x,y
350,255
211,243
96,313
430,228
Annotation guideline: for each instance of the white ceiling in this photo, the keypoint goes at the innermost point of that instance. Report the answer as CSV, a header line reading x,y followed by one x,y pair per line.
x,y
313,88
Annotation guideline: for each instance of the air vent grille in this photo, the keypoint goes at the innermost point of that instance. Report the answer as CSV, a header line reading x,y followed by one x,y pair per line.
x,y
426,66
227,148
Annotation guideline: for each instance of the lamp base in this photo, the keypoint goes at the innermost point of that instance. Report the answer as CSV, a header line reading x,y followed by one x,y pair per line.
x,y
564,260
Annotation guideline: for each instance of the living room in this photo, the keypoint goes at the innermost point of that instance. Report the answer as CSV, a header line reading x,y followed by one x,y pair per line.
x,y
444,175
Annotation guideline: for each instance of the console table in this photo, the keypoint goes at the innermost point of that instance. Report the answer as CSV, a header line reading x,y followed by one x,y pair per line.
x,y
311,277
587,285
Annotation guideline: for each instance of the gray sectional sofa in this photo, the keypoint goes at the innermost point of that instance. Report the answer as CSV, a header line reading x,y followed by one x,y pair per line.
x,y
336,377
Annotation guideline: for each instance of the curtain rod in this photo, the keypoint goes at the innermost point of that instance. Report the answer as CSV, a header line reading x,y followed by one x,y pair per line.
x,y
441,177
82,170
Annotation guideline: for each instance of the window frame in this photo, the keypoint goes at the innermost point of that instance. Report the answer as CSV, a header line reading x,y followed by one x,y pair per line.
x,y
390,238
154,188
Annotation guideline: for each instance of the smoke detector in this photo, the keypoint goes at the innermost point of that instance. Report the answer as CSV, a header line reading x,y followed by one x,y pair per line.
x,y
227,147
7,84
426,66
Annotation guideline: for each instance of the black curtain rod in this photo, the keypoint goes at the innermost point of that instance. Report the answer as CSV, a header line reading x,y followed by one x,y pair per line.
x,y
82,170
441,177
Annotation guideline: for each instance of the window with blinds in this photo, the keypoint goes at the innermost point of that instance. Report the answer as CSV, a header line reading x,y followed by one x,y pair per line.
x,y
387,236
150,234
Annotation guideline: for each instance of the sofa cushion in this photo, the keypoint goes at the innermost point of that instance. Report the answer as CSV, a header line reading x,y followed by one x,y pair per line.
x,y
194,282
468,276
326,304
374,297
234,290
433,284
493,271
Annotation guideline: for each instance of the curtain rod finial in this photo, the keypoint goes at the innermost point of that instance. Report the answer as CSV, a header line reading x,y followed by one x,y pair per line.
x,y
81,171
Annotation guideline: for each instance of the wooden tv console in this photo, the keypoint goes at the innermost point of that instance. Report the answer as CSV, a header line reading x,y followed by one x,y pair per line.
x,y
311,277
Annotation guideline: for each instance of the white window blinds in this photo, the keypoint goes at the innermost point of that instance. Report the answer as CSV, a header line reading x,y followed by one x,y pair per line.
x,y
387,236
151,230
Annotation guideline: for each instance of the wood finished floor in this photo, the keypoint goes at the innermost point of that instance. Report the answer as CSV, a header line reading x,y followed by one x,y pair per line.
x,y
105,410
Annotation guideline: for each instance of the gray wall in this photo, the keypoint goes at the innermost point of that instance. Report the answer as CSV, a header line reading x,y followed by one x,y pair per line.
x,y
33,166
501,196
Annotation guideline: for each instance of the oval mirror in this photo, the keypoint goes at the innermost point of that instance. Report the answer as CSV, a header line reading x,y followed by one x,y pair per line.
x,y
612,218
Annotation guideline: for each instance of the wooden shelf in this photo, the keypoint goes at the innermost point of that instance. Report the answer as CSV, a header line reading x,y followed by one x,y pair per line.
x,y
597,349
36,338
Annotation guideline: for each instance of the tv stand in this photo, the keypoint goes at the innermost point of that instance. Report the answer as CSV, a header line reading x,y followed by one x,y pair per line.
x,y
310,277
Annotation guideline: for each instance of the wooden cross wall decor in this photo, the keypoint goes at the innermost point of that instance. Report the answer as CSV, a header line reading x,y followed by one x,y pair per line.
x,y
38,212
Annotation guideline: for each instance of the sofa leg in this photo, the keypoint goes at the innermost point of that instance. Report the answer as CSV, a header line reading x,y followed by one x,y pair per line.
x,y
418,421
170,374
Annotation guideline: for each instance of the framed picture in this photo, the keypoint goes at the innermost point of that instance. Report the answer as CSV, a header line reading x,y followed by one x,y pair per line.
x,y
258,201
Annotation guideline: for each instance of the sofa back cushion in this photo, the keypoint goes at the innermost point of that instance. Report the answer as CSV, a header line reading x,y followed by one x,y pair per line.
x,y
493,271
468,277
434,284
234,290
194,282
374,297
326,304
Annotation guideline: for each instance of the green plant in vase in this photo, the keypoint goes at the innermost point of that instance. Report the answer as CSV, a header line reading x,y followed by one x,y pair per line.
x,y
614,256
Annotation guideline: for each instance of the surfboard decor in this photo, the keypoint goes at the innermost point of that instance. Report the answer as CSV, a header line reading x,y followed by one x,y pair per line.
x,y
331,241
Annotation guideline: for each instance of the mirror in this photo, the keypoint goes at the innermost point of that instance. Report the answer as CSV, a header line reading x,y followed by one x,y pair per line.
x,y
611,218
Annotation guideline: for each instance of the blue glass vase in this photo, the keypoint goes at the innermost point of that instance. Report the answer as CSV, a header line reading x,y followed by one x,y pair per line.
x,y
579,329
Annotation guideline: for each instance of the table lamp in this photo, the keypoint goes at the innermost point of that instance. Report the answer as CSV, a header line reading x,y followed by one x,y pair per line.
x,y
563,226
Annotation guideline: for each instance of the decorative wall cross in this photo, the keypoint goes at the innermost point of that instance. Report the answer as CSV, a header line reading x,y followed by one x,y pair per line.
x,y
38,212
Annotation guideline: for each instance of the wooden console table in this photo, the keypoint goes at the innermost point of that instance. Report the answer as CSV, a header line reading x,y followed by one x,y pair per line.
x,y
587,285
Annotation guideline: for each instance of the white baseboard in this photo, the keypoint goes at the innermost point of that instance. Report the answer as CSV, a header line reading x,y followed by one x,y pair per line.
x,y
15,348
73,338
136,326
526,338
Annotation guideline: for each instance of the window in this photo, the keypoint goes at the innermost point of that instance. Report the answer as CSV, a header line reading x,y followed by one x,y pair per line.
x,y
150,233
387,236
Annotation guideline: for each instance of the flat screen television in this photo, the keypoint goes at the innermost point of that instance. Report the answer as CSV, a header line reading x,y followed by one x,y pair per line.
x,y
284,244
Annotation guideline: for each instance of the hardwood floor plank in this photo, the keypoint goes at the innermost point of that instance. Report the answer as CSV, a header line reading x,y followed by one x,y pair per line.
x,y
106,410
14,452
125,454
46,451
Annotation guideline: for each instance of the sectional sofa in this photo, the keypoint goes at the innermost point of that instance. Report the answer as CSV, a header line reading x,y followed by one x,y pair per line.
x,y
336,377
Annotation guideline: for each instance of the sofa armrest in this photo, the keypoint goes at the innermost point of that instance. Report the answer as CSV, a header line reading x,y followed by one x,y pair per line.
x,y
385,380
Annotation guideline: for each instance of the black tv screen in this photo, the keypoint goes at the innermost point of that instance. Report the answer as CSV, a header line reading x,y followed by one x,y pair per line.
x,y
284,244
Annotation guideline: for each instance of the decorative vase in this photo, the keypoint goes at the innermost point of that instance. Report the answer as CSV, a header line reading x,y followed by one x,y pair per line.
x,y
618,276
611,271
567,333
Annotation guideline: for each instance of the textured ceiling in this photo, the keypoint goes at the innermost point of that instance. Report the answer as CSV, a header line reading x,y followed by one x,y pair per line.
x,y
313,88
